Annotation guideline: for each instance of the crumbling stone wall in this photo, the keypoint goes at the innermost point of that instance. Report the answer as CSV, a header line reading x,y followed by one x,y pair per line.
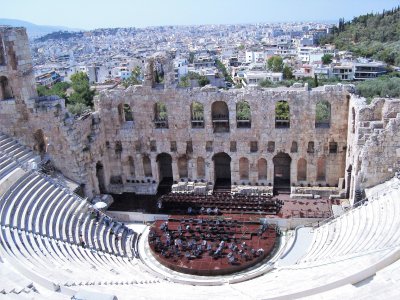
x,y
374,139
141,137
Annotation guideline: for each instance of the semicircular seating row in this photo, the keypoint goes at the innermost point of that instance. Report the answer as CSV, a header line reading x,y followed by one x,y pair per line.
x,y
49,232
12,155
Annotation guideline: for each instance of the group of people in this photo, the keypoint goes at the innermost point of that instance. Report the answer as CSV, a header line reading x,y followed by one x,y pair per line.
x,y
175,244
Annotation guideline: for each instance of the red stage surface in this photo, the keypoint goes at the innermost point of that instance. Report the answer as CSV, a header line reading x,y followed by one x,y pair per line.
x,y
204,245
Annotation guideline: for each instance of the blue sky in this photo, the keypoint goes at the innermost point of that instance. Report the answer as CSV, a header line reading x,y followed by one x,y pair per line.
x,y
88,14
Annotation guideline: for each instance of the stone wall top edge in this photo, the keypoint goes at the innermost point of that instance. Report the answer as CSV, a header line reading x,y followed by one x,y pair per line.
x,y
140,90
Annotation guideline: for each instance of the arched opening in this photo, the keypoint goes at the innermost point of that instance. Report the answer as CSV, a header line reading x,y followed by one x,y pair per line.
x,y
321,169
5,89
164,161
128,113
201,167
40,142
282,115
322,114
100,177
353,120
222,169
282,163
243,115
183,167
147,166
244,168
131,166
301,170
348,181
220,116
294,147
197,114
160,115
262,169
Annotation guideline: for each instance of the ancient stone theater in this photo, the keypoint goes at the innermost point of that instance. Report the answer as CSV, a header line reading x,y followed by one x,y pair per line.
x,y
251,193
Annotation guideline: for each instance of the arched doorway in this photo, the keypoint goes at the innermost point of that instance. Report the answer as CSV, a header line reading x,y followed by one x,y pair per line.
x,y
282,163
40,142
165,177
100,177
222,169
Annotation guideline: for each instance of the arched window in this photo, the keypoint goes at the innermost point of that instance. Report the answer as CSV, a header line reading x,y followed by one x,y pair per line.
x,y
353,120
201,171
5,89
282,115
220,116
243,115
301,170
321,169
183,167
131,166
262,169
147,166
197,114
293,148
244,168
160,115
322,114
128,113
40,142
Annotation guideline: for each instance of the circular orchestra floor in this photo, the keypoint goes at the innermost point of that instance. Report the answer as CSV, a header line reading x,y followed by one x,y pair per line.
x,y
211,245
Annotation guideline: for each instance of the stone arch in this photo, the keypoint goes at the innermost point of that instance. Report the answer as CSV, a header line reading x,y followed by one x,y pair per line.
x,y
301,170
147,166
222,168
244,168
197,114
40,142
160,115
5,89
262,167
220,116
128,114
183,167
282,162
321,169
201,167
164,161
282,114
294,147
100,177
322,114
243,114
131,166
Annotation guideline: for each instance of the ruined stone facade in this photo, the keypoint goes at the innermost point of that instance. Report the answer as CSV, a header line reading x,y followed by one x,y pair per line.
x,y
137,137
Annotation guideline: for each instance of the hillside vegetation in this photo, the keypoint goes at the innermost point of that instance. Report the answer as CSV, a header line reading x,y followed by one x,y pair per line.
x,y
371,35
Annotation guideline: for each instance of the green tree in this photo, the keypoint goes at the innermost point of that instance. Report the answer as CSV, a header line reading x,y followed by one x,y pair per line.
x,y
203,81
243,111
82,92
282,110
184,81
58,89
323,112
287,72
275,64
191,57
327,58
266,83
134,78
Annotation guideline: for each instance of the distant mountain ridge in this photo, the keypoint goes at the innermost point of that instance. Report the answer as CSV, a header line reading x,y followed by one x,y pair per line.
x,y
34,30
